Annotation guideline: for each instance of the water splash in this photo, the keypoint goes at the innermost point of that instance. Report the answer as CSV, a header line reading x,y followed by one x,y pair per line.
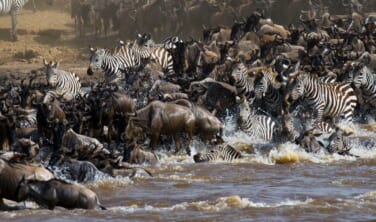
x,y
219,205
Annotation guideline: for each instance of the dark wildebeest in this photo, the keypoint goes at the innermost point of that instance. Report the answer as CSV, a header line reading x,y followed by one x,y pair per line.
x,y
77,170
56,192
163,118
12,173
7,132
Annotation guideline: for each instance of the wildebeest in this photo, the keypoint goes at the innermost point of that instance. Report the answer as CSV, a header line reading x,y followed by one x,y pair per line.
x,y
77,170
12,173
160,118
208,126
56,192
74,142
134,154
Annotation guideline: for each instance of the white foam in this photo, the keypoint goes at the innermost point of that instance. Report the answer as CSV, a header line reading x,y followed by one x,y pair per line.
x,y
221,204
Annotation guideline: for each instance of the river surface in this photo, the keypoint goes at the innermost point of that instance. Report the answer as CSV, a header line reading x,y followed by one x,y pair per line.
x,y
279,183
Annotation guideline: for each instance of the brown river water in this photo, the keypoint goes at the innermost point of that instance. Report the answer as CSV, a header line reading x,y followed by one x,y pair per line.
x,y
279,183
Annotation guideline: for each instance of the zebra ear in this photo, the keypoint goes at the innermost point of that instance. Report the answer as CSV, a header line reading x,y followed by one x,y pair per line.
x,y
139,35
55,65
91,49
45,63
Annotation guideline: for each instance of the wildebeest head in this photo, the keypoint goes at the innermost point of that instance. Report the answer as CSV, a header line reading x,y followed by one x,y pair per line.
x,y
308,141
26,146
133,131
360,77
244,110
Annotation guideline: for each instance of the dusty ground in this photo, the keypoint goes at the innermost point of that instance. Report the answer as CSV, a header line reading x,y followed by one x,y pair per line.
x,y
47,33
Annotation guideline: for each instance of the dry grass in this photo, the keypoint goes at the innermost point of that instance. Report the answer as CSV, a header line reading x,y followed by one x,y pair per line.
x,y
48,34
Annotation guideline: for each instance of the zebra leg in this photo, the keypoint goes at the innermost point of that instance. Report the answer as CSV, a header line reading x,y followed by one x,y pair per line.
x,y
324,127
13,33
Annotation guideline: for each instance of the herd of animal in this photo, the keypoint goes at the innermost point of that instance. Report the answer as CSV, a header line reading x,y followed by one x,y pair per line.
x,y
283,84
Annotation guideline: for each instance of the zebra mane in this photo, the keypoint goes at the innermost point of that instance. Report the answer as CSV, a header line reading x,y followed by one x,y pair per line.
x,y
367,70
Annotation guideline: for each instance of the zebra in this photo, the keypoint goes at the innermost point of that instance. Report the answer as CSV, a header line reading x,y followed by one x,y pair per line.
x,y
13,7
326,99
145,50
365,80
114,64
65,84
244,84
224,152
267,92
339,142
171,42
258,126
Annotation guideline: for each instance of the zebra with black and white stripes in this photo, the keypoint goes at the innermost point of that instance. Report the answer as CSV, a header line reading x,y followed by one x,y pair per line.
x,y
65,84
339,142
145,50
114,64
365,80
222,152
257,126
326,99
267,92
243,83
13,7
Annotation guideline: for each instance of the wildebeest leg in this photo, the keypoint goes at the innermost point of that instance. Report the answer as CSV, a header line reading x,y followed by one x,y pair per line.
x,y
177,140
154,140
4,207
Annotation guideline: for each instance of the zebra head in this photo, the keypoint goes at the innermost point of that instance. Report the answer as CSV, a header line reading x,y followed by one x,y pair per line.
x,y
51,72
244,110
361,77
96,60
261,84
295,88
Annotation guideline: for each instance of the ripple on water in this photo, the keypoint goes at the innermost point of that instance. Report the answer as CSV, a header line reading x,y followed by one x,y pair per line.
x,y
219,205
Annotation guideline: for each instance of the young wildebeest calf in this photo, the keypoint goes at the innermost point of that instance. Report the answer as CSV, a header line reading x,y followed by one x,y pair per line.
x,y
56,192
